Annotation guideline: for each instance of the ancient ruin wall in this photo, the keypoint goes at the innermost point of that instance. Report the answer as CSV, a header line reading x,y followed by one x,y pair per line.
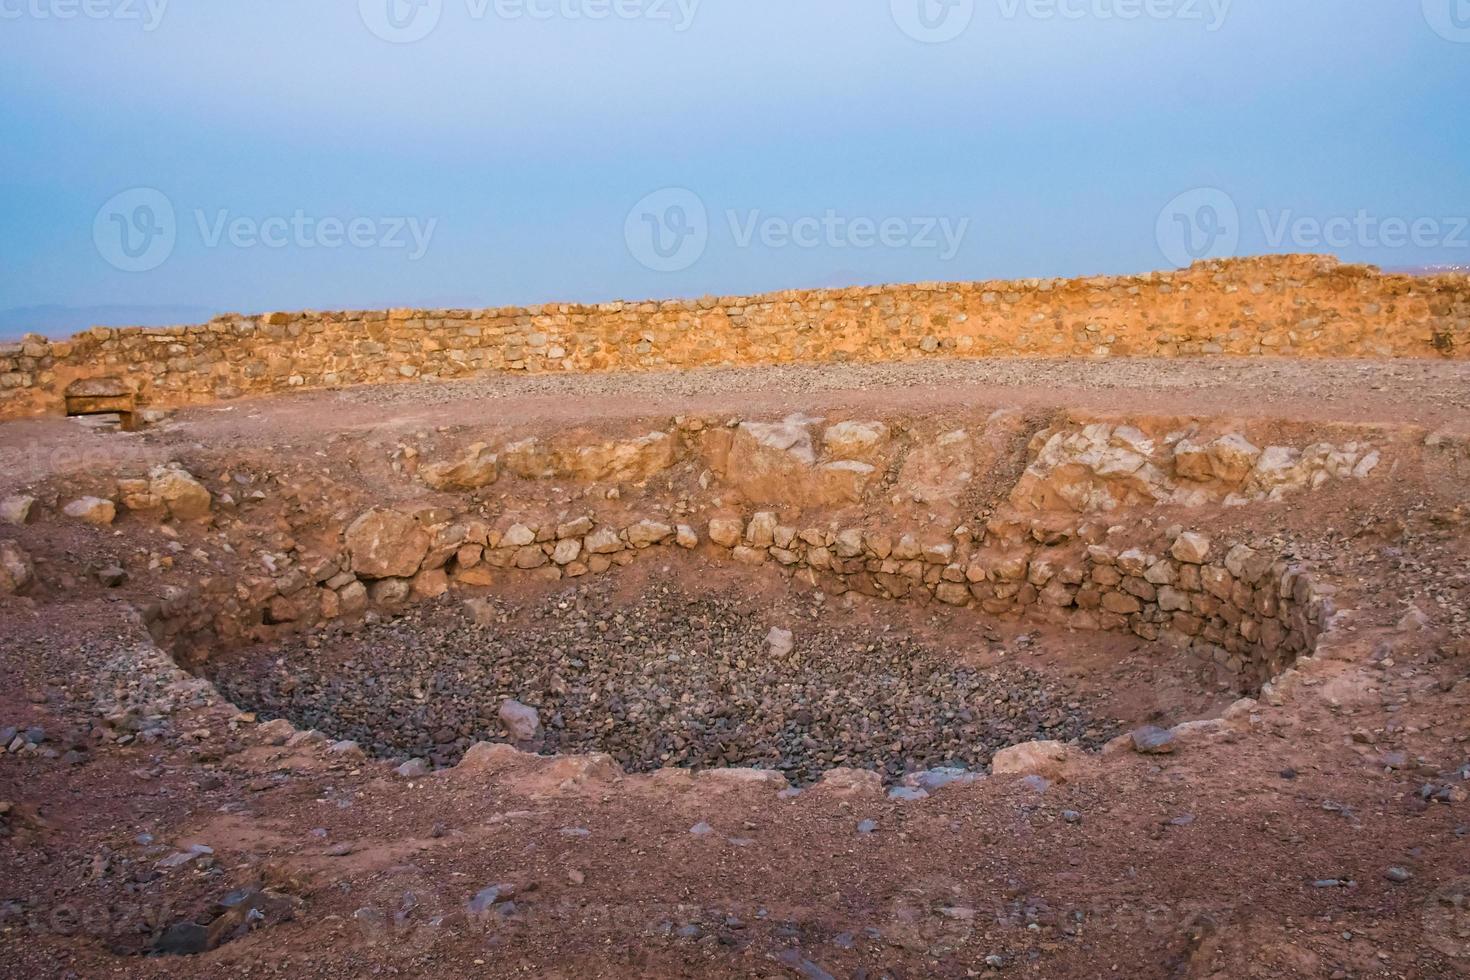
x,y
1297,305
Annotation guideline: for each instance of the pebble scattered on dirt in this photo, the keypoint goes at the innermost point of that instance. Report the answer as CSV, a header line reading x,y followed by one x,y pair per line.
x,y
668,679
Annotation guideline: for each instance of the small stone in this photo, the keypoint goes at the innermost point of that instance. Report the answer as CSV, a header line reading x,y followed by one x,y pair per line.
x,y
521,721
701,829
867,826
412,769
111,576
1398,875
1071,816
780,642
1150,740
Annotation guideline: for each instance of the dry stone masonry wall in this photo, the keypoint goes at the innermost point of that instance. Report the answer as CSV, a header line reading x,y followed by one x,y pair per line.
x,y
1300,305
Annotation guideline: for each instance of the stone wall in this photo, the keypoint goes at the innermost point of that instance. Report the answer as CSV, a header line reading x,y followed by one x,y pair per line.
x,y
1283,305
1240,612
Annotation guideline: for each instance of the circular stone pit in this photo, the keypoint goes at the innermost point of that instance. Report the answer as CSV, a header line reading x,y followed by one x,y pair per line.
x,y
663,678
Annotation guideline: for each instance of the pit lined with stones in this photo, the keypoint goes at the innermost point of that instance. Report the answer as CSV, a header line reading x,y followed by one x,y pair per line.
x,y
669,677
392,611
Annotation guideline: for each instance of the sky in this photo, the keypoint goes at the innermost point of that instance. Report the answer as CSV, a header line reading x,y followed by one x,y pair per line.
x,y
181,157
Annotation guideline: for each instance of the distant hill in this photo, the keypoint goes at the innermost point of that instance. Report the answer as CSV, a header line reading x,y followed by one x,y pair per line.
x,y
63,321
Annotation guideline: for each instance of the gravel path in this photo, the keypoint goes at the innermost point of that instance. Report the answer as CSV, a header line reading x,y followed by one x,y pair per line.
x,y
670,679
1429,383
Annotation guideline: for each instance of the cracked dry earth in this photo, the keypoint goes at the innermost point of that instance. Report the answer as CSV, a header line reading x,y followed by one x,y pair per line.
x,y
153,826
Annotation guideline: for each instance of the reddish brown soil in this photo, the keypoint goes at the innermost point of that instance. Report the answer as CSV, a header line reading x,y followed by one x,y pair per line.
x,y
1203,863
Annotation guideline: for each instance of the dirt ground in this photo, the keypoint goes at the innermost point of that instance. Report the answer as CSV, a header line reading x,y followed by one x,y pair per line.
x,y
1322,832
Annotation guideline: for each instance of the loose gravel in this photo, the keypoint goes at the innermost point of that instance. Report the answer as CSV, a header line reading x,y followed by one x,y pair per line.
x,y
669,678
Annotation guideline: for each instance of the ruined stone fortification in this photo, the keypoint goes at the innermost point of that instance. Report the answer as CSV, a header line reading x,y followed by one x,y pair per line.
x,y
1300,305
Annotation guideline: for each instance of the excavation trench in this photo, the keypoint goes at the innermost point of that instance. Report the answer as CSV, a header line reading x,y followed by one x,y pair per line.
x,y
1073,601
677,668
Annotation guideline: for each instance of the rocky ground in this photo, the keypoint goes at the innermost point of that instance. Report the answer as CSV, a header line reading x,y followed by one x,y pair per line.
x,y
151,828
671,678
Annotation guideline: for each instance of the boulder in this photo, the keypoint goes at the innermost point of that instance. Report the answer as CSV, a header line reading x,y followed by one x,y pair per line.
x,y
622,460
521,721
16,510
646,533
863,441
1232,457
385,543
768,460
17,574
1044,758
726,531
93,510
843,482
477,468
939,472
184,496
603,541
1191,548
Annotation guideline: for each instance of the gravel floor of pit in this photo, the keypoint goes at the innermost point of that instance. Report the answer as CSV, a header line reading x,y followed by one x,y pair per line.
x,y
668,679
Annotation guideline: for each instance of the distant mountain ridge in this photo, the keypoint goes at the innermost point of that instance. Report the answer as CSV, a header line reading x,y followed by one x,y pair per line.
x,y
56,321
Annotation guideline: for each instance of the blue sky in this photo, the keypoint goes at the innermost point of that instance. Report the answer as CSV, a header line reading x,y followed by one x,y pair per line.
x,y
502,157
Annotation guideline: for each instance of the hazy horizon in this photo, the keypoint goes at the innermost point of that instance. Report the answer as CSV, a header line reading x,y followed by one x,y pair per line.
x,y
251,157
